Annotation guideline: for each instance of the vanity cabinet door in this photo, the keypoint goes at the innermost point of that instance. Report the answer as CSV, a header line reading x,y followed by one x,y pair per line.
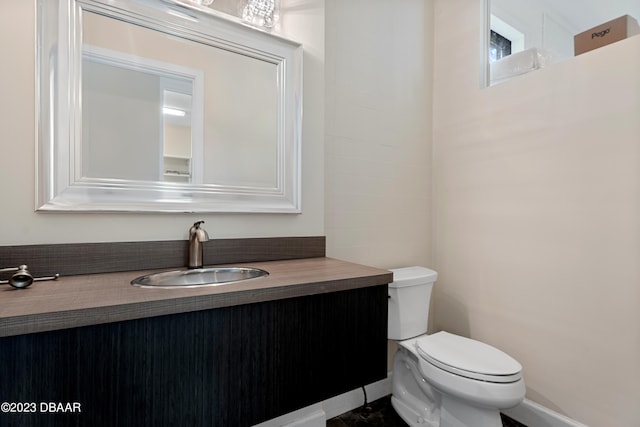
x,y
232,366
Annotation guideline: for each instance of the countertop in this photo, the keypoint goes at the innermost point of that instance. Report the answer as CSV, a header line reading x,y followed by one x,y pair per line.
x,y
83,300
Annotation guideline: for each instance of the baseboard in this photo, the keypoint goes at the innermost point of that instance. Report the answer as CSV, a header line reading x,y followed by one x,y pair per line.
x,y
535,415
528,412
317,414
355,398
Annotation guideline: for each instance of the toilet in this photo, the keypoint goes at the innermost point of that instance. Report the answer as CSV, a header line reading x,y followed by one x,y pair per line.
x,y
442,379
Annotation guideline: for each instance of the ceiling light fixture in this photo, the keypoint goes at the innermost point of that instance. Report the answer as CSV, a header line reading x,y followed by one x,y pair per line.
x,y
173,112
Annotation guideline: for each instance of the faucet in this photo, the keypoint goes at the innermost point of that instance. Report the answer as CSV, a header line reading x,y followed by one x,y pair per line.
x,y
197,235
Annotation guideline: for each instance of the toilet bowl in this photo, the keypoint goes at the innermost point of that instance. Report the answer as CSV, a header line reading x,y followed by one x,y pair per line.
x,y
444,380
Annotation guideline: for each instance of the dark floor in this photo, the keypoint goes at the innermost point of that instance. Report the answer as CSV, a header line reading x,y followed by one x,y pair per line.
x,y
381,413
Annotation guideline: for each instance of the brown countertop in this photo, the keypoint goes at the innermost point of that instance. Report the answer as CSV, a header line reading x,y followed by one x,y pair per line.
x,y
83,300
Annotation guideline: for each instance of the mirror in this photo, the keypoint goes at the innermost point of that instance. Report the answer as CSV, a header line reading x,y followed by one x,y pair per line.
x,y
165,106
524,35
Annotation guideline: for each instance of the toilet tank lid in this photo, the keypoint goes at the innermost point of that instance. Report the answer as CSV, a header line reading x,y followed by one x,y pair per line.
x,y
412,276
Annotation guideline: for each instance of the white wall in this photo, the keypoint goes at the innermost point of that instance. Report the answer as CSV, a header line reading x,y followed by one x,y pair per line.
x,y
536,217
120,117
378,142
19,224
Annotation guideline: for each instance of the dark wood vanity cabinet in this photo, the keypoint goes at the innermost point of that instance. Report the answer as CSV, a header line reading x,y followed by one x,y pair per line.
x,y
232,366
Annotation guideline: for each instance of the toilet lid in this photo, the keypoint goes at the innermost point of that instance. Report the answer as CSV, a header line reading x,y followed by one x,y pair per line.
x,y
468,358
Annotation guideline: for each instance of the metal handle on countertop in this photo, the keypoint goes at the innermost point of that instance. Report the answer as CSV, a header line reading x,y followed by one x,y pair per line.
x,y
22,278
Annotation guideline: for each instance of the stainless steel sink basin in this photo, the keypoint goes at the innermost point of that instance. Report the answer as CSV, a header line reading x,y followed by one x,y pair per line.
x,y
190,278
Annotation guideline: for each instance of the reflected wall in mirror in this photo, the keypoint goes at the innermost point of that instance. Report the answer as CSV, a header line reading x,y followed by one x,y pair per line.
x,y
524,35
139,119
152,105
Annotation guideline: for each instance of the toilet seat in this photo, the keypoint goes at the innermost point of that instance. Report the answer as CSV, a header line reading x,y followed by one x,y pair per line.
x,y
468,358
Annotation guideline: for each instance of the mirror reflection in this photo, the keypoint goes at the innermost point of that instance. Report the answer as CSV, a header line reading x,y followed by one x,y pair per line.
x,y
529,34
176,138
139,117
136,124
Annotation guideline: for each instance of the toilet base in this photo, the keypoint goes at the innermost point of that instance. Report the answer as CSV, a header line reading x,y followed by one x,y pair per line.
x,y
421,405
455,413
410,416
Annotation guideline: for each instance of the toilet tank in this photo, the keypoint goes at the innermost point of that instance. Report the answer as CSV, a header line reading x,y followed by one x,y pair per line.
x,y
409,297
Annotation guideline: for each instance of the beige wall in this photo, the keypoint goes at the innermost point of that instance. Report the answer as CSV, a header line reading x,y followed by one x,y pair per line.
x,y
537,217
378,144
378,137
19,223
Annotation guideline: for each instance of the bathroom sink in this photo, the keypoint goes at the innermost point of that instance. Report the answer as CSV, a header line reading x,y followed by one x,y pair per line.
x,y
189,278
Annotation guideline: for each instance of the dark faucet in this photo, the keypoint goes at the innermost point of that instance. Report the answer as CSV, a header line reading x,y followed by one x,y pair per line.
x,y
197,235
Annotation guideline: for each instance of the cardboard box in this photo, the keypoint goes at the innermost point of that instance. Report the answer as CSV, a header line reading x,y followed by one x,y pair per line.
x,y
604,34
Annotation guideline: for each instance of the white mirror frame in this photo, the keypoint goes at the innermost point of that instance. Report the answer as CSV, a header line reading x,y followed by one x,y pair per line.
x,y
59,182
